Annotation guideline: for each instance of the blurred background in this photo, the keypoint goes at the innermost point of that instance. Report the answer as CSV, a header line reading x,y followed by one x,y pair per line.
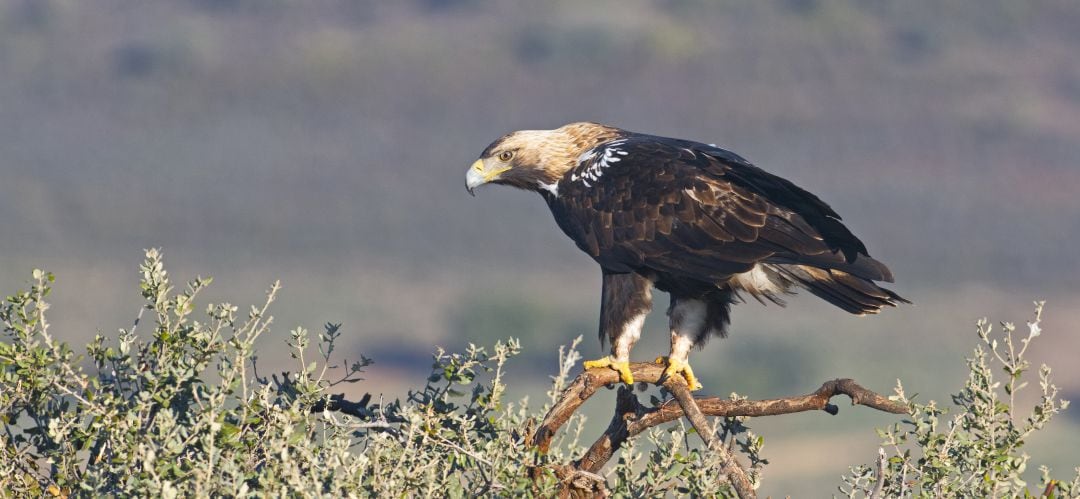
x,y
324,143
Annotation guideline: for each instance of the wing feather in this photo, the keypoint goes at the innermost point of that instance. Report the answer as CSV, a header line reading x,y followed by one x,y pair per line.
x,y
703,213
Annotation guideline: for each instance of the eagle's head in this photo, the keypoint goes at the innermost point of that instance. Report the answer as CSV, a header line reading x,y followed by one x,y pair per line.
x,y
535,160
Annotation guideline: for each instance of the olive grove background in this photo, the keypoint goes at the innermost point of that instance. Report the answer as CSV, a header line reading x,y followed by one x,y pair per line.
x,y
324,143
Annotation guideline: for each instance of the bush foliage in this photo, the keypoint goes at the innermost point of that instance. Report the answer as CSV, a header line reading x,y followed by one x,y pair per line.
x,y
976,450
178,408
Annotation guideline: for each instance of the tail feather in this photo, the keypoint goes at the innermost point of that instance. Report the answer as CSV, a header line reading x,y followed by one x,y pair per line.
x,y
852,293
863,266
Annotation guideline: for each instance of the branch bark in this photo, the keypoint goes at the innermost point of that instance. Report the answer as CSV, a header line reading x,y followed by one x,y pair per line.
x,y
631,418
735,474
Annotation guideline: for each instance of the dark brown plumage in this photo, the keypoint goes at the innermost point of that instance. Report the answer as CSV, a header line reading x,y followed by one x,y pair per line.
x,y
695,220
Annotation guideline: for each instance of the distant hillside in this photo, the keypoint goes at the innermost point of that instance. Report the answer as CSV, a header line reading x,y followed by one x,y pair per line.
x,y
345,126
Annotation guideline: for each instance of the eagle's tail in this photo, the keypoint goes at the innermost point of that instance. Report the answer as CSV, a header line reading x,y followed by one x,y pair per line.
x,y
854,294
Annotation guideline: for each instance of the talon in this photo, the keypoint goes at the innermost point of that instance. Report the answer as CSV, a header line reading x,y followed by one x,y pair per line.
x,y
622,367
680,367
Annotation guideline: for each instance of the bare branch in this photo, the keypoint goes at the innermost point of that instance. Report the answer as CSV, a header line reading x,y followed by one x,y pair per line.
x,y
631,418
736,475
879,487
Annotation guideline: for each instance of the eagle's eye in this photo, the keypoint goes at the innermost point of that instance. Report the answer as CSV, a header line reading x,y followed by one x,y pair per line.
x,y
506,155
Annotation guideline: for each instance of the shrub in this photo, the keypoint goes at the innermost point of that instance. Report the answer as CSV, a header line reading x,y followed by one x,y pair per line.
x,y
185,412
975,452
179,408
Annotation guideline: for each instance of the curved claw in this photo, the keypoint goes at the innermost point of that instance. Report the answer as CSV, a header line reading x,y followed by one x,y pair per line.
x,y
680,367
623,367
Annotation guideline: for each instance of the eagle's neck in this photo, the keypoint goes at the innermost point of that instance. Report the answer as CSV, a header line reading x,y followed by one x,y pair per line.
x,y
553,153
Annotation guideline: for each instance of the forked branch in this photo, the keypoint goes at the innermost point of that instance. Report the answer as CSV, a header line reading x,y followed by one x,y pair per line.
x,y
631,418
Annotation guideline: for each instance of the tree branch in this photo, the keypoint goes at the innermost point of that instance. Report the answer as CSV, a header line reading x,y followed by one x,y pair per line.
x,y
631,418
736,475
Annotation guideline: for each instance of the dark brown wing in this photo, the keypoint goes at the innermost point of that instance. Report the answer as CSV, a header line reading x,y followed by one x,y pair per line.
x,y
697,211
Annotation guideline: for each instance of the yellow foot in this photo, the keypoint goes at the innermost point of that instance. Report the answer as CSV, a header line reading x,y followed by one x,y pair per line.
x,y
680,367
622,367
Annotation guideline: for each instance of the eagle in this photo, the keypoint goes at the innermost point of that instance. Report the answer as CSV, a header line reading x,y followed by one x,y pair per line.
x,y
691,219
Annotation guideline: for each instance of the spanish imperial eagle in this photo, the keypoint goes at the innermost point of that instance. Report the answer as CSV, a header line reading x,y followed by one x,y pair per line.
x,y
691,219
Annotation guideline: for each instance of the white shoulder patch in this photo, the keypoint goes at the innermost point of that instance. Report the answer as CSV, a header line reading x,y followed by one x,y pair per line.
x,y
601,157
586,156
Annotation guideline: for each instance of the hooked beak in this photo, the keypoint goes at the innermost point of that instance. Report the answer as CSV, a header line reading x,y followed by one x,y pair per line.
x,y
477,176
